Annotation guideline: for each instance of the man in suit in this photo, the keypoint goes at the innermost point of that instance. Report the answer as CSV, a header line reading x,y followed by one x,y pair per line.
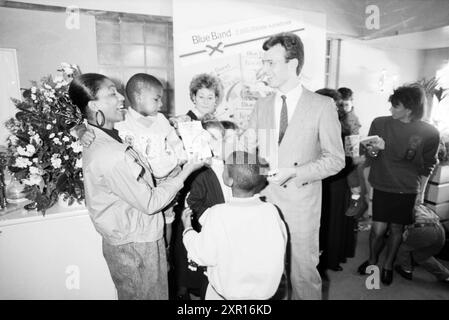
x,y
298,132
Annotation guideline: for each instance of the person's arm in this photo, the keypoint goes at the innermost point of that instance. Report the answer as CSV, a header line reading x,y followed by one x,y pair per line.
x,y
430,150
332,158
124,179
201,246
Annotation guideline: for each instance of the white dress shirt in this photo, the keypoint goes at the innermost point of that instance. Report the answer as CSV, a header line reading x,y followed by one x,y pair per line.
x,y
243,244
292,100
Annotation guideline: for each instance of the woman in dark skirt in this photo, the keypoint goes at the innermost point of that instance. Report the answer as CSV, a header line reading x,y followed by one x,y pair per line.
x,y
400,165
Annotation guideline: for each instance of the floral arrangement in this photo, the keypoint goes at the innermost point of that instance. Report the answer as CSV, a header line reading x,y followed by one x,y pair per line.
x,y
43,154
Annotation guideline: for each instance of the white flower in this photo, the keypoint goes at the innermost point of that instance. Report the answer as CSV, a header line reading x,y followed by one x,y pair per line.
x,y
33,89
56,162
22,162
54,121
66,139
13,139
21,151
34,170
48,127
31,150
79,163
35,160
66,157
28,152
68,71
57,141
32,180
33,97
51,136
36,138
76,146
47,86
58,79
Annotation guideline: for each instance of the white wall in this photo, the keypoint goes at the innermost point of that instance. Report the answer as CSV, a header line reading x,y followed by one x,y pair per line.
x,y
434,60
362,68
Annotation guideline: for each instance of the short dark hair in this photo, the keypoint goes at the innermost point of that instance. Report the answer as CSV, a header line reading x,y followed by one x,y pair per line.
x,y
345,93
84,88
412,97
334,94
229,125
138,82
208,81
213,124
294,48
245,170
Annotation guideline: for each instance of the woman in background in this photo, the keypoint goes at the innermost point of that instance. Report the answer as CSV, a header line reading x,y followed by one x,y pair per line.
x,y
400,164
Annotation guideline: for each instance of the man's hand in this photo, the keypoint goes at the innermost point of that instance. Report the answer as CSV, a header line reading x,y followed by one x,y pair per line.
x,y
186,218
86,135
282,176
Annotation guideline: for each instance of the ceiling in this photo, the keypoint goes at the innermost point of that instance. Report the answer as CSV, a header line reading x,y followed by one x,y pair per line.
x,y
431,39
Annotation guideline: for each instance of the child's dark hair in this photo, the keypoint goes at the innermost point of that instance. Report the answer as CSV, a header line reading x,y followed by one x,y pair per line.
x,y
229,125
245,170
412,97
346,93
213,124
138,82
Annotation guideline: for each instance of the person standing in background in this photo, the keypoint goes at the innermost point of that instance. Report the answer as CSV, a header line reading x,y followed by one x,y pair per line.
x,y
400,164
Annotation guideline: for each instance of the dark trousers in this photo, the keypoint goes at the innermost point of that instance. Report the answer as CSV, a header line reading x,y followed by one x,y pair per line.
x,y
421,244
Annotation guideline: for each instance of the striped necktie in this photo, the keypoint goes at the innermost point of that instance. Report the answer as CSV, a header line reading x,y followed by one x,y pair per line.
x,y
283,122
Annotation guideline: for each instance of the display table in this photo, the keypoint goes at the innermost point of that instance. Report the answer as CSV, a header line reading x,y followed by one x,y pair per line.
x,y
56,256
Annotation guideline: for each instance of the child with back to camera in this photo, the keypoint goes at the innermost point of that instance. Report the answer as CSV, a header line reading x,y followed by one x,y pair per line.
x,y
242,242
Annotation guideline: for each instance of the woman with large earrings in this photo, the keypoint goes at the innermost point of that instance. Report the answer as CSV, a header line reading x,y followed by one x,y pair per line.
x,y
122,200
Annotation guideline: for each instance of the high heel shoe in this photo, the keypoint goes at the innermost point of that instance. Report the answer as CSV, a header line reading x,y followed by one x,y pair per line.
x,y
386,276
362,268
405,274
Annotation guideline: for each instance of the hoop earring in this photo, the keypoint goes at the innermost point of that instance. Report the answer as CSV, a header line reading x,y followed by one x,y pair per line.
x,y
101,123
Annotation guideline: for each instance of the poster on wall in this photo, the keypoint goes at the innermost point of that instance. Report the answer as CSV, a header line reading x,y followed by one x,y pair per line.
x,y
233,52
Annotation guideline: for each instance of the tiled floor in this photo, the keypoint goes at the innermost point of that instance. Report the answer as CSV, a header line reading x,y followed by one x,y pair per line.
x,y
349,285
